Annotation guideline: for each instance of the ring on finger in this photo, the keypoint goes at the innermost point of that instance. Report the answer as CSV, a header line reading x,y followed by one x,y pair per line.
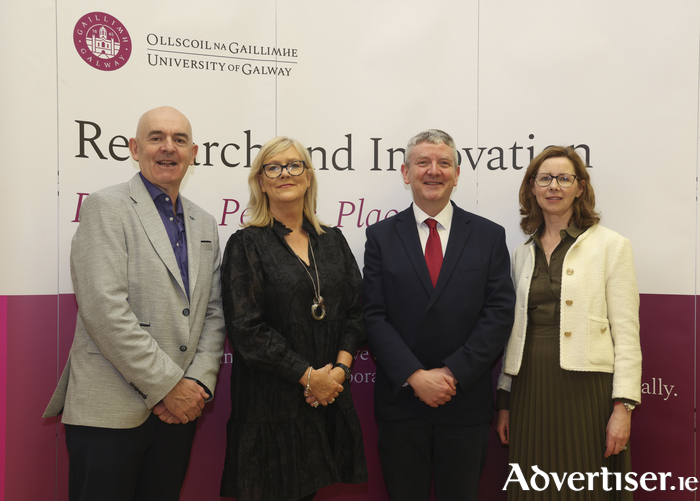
x,y
623,448
315,404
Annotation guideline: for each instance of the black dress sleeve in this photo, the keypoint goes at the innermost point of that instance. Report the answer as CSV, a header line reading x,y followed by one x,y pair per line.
x,y
258,345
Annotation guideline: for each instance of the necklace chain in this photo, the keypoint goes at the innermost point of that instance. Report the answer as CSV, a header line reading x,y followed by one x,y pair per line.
x,y
546,251
318,299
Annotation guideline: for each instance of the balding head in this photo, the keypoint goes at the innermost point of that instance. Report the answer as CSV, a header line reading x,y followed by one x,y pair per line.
x,y
157,113
163,148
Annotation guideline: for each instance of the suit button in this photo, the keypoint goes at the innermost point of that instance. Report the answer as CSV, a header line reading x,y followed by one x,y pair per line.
x,y
602,331
183,348
567,334
570,271
569,302
186,311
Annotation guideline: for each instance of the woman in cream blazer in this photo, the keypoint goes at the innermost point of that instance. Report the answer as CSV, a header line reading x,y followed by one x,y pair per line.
x,y
603,293
575,376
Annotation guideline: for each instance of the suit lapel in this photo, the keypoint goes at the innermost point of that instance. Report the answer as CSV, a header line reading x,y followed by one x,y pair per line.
x,y
153,227
408,233
460,229
194,237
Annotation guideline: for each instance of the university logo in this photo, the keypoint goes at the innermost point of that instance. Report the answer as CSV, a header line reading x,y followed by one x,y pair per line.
x,y
102,41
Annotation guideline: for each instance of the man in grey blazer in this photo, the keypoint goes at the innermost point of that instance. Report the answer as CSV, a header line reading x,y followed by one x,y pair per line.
x,y
150,328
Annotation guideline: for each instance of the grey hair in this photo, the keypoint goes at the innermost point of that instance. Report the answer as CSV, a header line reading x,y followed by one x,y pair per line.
x,y
432,136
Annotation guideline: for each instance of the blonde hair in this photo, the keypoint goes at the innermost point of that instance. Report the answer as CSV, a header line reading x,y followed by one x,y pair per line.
x,y
259,204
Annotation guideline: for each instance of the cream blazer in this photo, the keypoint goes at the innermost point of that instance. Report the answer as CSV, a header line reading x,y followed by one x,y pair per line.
x,y
599,328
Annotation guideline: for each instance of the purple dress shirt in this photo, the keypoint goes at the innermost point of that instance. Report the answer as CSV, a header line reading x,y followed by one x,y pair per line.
x,y
174,226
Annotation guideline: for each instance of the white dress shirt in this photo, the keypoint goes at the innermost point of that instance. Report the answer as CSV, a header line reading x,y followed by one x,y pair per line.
x,y
444,221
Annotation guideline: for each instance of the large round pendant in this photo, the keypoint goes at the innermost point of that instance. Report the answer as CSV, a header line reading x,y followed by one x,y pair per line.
x,y
318,305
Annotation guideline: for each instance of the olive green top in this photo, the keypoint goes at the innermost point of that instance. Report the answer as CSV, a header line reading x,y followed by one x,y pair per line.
x,y
544,303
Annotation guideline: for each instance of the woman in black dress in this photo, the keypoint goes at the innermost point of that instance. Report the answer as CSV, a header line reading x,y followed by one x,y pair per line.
x,y
291,292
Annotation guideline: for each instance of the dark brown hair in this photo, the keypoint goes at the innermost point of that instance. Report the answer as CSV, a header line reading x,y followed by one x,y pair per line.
x,y
584,215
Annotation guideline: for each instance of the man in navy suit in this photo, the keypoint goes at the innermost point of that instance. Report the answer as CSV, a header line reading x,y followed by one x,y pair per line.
x,y
438,307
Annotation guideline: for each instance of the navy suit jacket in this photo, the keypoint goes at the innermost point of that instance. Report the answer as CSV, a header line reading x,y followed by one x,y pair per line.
x,y
463,323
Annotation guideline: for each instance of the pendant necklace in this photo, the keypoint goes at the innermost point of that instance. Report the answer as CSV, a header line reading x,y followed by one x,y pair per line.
x,y
318,299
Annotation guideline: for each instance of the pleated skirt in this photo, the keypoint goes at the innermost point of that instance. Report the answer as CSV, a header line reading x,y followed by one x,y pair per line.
x,y
557,424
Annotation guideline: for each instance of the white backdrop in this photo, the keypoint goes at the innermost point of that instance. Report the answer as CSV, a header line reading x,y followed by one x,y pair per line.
x,y
357,79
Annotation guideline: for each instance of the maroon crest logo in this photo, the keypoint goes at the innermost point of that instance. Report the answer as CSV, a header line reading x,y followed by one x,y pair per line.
x,y
102,41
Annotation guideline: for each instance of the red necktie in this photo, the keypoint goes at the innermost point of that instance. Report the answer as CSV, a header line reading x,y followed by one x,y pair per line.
x,y
433,251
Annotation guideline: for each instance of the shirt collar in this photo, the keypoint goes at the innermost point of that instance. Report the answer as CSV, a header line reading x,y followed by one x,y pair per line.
x,y
444,218
572,230
155,192
306,225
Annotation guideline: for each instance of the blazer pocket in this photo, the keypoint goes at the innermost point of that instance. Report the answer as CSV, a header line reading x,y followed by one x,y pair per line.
x,y
207,245
92,347
601,350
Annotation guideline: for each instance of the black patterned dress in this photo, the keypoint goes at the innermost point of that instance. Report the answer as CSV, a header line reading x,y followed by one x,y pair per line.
x,y
279,447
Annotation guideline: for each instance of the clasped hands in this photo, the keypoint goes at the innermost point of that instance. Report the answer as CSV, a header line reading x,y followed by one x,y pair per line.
x,y
434,387
325,384
184,403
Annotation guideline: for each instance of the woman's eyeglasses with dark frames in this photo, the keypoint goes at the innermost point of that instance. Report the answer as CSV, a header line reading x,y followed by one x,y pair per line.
x,y
563,180
274,171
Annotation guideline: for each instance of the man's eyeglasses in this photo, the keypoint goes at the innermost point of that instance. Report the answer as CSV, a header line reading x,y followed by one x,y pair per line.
x,y
293,168
563,180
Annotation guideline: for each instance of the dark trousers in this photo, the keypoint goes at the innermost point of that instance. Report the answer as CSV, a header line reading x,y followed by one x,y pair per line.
x,y
414,453
145,463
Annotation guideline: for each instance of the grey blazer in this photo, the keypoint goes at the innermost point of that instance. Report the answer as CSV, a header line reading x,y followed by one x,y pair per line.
x,y
137,334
